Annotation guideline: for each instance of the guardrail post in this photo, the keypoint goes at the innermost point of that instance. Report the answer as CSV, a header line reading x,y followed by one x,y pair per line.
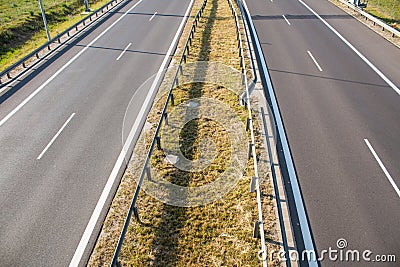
x,y
148,173
250,150
136,215
8,75
172,100
247,124
253,184
37,55
166,118
158,141
256,229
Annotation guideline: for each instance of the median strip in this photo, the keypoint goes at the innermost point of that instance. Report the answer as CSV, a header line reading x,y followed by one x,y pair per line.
x,y
218,232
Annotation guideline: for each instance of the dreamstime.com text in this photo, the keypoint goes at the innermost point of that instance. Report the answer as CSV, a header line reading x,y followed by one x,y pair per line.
x,y
338,254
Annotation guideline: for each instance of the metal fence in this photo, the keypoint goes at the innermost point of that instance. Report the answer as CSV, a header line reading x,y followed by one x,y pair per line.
x,y
156,139
255,181
34,57
375,20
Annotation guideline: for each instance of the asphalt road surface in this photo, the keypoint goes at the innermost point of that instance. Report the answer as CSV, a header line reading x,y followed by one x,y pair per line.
x,y
59,148
331,100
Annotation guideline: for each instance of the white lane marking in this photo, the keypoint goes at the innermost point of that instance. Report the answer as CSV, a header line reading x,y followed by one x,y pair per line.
x,y
123,52
55,136
298,199
15,110
372,66
388,176
153,16
315,61
286,19
111,179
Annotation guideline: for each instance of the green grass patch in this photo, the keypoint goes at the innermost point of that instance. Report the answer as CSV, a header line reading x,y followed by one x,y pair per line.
x,y
22,29
386,10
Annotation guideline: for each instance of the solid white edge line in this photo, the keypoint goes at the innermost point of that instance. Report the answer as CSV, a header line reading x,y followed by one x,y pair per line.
x,y
55,136
123,52
107,189
372,66
315,61
388,176
286,20
26,100
301,213
153,16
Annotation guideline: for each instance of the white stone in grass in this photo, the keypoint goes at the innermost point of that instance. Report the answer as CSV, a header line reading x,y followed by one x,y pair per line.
x,y
193,104
172,159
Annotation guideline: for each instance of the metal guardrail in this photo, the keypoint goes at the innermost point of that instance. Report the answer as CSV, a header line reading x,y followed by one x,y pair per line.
x,y
372,18
255,181
156,139
56,40
287,156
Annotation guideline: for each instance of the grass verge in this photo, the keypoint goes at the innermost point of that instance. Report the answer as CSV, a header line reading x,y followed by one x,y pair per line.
x,y
386,10
22,29
217,234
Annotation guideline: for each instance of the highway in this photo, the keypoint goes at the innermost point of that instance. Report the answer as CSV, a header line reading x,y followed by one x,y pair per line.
x,y
341,119
60,133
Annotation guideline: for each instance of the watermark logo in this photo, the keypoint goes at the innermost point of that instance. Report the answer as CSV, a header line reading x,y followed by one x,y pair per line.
x,y
341,243
340,253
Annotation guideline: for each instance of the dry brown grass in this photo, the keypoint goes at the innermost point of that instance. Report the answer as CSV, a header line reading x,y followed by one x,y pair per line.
x,y
218,234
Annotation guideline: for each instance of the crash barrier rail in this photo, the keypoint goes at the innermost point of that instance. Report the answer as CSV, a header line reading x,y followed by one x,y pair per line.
x,y
156,139
267,134
372,18
281,135
258,231
55,42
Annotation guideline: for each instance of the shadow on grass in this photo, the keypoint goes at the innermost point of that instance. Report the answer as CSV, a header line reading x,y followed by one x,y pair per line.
x,y
173,219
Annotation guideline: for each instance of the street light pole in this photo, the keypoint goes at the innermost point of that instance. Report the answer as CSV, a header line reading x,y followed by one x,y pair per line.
x,y
87,6
44,20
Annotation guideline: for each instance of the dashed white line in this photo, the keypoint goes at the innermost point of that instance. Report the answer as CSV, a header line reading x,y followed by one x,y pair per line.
x,y
369,63
121,158
315,61
286,19
388,176
153,16
55,136
15,110
123,52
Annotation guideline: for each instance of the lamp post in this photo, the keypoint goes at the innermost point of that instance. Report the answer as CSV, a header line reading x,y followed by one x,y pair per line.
x,y
87,6
44,20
